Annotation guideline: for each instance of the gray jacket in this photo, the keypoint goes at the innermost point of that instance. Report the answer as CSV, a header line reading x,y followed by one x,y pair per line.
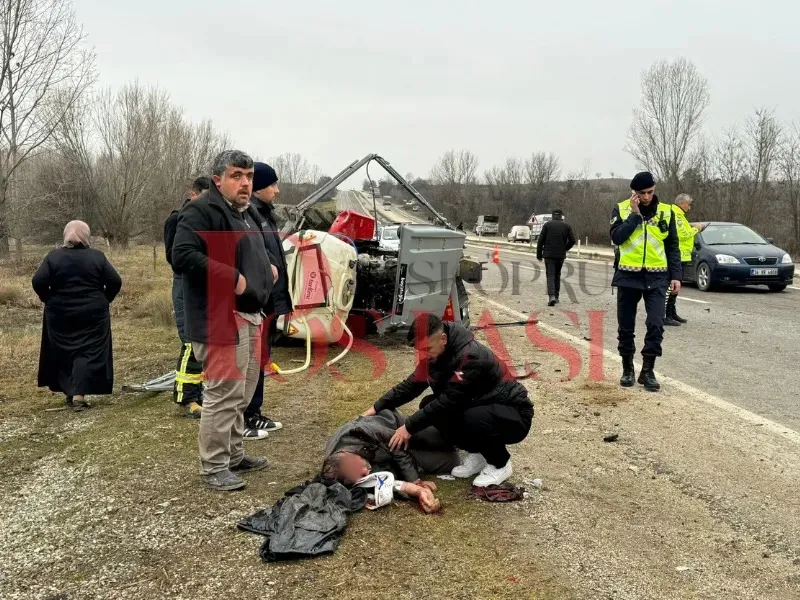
x,y
369,437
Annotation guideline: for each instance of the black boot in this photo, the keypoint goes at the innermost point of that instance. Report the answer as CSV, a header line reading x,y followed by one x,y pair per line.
x,y
669,319
646,377
552,301
628,372
674,314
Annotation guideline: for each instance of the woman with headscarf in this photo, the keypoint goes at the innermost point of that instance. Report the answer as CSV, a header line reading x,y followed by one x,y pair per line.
x,y
76,283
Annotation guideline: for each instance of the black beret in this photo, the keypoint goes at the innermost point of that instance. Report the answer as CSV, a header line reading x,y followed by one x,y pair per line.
x,y
642,181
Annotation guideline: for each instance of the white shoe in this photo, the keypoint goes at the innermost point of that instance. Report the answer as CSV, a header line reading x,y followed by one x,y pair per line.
x,y
254,434
491,475
471,465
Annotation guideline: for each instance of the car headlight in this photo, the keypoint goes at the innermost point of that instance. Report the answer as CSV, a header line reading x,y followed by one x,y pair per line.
x,y
786,260
727,259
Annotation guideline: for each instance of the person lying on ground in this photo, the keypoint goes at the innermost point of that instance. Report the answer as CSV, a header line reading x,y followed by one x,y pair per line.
x,y
361,446
476,405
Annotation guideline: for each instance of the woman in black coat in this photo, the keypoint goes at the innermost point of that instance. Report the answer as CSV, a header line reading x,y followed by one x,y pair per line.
x,y
76,283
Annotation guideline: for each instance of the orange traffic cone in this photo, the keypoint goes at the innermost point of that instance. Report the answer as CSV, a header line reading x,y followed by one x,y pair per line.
x,y
496,254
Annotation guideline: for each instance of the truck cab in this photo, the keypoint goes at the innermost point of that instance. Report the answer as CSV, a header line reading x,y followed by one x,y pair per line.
x,y
487,225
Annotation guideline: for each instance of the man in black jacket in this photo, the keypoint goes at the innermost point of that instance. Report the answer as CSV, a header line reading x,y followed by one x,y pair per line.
x,y
476,404
221,253
555,239
265,190
188,389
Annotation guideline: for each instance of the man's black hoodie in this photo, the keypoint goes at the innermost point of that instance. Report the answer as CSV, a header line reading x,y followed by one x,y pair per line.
x,y
467,374
209,281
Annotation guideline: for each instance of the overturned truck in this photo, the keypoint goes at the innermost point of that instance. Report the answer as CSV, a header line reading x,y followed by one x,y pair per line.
x,y
376,289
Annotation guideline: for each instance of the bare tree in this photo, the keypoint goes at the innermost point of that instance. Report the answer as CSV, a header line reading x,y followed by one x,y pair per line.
x,y
667,123
541,169
455,168
762,140
789,176
44,69
297,176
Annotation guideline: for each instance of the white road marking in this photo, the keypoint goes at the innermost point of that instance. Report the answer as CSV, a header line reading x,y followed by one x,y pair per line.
x,y
746,415
679,296
532,254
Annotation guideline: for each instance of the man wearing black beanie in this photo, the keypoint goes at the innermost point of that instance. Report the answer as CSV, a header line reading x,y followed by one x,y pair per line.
x,y
265,190
649,262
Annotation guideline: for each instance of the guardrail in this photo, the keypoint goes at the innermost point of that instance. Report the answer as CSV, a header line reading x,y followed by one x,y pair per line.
x,y
579,251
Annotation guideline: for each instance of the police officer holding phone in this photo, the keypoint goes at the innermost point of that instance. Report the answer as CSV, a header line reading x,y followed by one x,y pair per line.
x,y
649,263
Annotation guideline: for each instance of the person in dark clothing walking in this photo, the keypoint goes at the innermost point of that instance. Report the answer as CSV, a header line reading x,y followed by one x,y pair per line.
x,y
555,240
649,262
77,284
221,253
188,390
476,404
265,190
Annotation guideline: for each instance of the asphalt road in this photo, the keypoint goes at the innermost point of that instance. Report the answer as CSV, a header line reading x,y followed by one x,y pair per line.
x,y
741,345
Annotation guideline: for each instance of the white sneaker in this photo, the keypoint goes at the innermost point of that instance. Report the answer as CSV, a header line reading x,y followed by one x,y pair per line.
x,y
491,475
255,434
471,465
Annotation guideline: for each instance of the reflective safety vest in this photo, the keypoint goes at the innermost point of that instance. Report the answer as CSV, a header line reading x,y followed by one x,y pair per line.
x,y
644,249
686,233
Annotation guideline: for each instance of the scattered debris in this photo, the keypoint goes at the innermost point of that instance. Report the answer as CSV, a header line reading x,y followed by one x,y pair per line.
x,y
611,437
447,477
681,569
633,468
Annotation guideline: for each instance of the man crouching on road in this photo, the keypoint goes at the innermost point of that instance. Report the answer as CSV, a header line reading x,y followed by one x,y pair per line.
x,y
476,404
362,445
224,299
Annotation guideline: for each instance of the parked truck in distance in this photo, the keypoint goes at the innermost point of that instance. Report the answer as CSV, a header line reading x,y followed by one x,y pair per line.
x,y
487,225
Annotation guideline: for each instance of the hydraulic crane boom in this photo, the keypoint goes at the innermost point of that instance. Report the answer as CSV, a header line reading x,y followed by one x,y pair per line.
x,y
320,193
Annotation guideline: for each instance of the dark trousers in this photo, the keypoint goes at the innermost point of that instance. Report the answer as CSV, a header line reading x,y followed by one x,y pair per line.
x,y
433,454
257,401
552,267
627,303
486,429
672,297
188,371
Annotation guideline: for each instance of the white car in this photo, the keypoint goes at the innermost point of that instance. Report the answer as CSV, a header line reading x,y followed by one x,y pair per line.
x,y
519,233
388,238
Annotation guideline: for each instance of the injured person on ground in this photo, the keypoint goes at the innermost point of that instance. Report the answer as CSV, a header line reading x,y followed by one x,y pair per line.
x,y
361,447
476,405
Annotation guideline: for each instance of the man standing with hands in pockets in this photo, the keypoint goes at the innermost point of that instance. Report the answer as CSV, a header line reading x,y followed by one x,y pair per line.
x,y
649,262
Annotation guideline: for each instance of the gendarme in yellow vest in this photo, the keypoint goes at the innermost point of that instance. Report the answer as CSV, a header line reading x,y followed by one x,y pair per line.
x,y
686,233
645,248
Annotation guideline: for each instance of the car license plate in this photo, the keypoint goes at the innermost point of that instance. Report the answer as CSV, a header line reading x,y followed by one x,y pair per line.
x,y
763,272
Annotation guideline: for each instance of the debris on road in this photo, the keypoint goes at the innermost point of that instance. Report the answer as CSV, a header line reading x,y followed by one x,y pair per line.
x,y
612,437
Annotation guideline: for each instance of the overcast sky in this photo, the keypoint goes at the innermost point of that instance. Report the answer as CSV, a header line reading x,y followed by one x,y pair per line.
x,y
412,79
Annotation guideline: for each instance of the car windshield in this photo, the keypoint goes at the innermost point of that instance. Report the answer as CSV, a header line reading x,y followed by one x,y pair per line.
x,y
390,233
491,219
718,235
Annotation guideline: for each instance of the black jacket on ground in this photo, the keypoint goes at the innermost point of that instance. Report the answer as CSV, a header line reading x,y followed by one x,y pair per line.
x,y
280,300
644,279
555,239
170,227
467,374
76,285
214,278
310,520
